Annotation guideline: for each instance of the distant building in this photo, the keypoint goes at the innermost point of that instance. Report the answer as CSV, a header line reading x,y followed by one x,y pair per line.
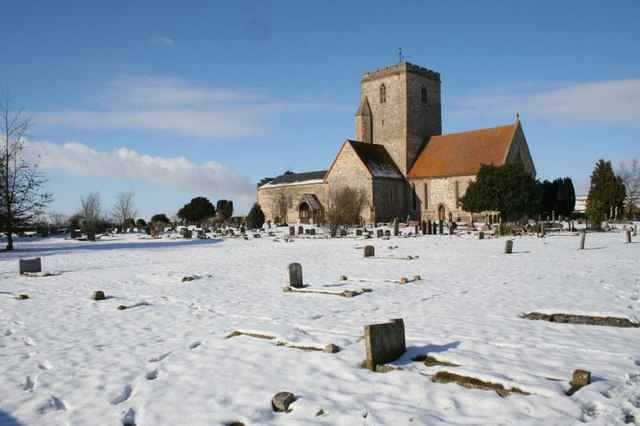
x,y
400,159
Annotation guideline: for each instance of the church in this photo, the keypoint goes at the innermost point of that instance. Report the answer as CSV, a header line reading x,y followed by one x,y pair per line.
x,y
399,157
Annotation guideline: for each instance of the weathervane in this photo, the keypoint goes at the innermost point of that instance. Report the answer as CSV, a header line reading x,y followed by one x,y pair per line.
x,y
399,54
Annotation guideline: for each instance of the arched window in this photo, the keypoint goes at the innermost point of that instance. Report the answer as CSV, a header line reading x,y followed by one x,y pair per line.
x,y
383,93
423,91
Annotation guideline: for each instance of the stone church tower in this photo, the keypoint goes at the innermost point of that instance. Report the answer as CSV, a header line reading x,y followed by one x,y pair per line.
x,y
400,109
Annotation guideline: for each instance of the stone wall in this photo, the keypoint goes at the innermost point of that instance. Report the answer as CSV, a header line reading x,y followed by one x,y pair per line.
x,y
442,192
403,122
348,170
294,193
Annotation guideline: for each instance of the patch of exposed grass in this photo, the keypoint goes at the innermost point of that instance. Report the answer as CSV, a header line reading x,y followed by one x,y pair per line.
x,y
473,383
431,361
256,335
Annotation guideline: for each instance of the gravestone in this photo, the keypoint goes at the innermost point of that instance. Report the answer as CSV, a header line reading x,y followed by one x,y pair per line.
x,y
379,233
294,275
300,230
75,234
98,295
452,228
358,232
415,229
581,378
508,246
384,342
312,231
369,251
387,233
481,235
30,265
91,236
292,231
486,227
628,236
188,234
396,226
424,228
343,232
429,227
441,227
582,238
281,401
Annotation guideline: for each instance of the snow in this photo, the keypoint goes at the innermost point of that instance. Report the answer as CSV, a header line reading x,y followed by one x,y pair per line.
x,y
66,359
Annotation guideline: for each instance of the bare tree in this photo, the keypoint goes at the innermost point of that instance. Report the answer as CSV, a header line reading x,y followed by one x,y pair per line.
x,y
344,207
630,175
278,204
91,209
124,207
23,198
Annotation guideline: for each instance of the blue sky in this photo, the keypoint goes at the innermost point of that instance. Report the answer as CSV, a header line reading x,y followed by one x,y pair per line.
x,y
173,100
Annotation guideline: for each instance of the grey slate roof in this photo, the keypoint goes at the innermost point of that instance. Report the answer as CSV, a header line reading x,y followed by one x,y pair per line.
x,y
290,178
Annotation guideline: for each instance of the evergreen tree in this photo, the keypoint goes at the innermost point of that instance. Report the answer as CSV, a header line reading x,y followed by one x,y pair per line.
x,y
255,218
160,217
566,199
198,209
606,193
224,209
549,197
508,189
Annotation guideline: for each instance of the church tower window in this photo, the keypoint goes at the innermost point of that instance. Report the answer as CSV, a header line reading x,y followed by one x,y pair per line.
x,y
423,91
383,93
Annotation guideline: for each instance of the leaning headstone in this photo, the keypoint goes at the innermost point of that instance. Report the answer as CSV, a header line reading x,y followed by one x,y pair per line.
x,y
358,232
384,342
508,246
294,275
188,234
97,295
30,265
379,233
582,238
292,231
628,236
300,230
481,235
281,401
91,236
396,225
369,251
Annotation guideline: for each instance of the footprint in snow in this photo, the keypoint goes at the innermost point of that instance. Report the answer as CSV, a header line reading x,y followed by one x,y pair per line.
x,y
126,393
152,375
28,384
194,345
129,418
53,404
8,332
159,357
28,341
45,365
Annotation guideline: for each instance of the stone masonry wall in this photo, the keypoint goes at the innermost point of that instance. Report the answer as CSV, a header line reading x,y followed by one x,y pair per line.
x,y
442,192
295,193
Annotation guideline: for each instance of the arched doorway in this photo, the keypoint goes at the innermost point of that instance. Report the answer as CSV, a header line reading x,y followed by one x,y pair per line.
x,y
303,212
441,212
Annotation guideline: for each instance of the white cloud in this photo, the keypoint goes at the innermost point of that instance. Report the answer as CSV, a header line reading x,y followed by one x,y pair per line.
x,y
125,164
163,104
162,41
602,102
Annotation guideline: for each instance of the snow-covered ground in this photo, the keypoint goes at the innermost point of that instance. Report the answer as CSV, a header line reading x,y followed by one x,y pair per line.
x,y
66,359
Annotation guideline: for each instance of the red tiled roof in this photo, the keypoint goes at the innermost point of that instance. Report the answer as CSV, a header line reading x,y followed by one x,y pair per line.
x,y
461,154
